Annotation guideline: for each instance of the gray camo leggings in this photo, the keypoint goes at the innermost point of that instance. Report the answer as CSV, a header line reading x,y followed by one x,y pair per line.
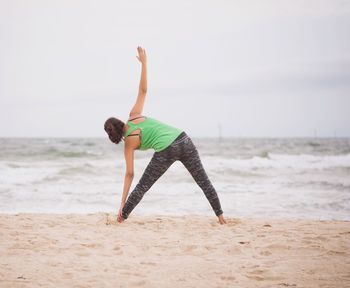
x,y
181,149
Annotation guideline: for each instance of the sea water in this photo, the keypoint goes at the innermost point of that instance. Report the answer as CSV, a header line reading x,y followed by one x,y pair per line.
x,y
289,178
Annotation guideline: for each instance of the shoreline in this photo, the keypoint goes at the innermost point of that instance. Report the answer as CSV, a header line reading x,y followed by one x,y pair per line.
x,y
94,250
209,216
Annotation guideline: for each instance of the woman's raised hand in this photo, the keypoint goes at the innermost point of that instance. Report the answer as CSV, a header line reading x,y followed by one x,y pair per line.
x,y
142,55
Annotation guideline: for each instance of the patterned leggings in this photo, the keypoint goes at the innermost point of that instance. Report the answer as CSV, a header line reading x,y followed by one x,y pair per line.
x,y
181,149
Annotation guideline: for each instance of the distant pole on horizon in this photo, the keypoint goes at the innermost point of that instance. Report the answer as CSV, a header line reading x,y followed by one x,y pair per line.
x,y
220,132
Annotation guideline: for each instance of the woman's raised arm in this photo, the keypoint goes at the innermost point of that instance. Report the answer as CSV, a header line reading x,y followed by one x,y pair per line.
x,y
138,107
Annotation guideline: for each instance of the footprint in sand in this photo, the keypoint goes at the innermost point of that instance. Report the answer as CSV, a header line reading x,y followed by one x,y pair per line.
x,y
311,272
189,248
138,283
91,245
148,263
53,263
308,239
265,253
132,274
278,246
322,238
260,275
210,248
83,254
255,277
233,222
68,275
228,278
118,250
333,252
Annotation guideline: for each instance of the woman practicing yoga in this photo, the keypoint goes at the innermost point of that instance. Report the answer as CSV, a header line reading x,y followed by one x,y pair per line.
x,y
170,144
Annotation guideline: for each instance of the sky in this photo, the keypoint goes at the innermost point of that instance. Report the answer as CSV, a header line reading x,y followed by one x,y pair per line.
x,y
263,68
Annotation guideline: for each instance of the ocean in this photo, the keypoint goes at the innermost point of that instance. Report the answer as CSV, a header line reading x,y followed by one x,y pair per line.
x,y
301,178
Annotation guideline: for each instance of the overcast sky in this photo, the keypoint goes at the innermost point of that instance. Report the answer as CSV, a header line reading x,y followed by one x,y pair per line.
x,y
257,68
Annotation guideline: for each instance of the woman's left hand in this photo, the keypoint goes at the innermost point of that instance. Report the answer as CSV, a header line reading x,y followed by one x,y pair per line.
x,y
120,217
222,219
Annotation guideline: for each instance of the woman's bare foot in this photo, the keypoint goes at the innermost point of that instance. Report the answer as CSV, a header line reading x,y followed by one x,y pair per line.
x,y
221,219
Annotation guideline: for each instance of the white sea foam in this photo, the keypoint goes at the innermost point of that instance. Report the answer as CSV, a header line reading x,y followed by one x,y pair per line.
x,y
296,178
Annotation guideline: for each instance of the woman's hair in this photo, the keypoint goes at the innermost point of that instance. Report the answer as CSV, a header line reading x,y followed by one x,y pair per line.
x,y
114,128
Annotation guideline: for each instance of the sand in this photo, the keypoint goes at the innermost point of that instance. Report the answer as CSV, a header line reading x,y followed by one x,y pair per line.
x,y
94,250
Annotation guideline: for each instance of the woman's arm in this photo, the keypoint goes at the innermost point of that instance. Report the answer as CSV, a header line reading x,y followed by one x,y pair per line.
x,y
129,172
138,107
129,176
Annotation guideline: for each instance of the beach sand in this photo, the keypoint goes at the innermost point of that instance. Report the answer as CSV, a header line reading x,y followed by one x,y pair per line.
x,y
94,250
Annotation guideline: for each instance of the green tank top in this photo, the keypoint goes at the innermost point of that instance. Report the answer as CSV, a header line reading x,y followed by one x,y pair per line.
x,y
154,134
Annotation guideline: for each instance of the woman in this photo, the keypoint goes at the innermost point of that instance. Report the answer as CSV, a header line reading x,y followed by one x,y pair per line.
x,y
170,144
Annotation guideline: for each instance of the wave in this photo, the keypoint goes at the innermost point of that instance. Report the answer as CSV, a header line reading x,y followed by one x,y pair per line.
x,y
327,184
85,169
281,161
57,153
50,153
264,154
314,144
14,165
